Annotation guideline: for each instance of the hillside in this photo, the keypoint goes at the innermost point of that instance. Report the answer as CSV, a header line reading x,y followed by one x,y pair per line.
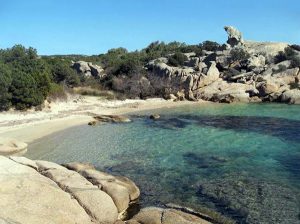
x,y
238,71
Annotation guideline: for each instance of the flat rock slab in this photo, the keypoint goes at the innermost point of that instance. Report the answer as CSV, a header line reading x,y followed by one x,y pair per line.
x,y
30,198
10,146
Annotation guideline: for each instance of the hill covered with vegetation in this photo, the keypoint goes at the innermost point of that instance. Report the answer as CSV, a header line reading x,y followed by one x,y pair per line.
x,y
161,69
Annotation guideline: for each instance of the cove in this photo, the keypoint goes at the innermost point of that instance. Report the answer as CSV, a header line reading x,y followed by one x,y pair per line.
x,y
240,160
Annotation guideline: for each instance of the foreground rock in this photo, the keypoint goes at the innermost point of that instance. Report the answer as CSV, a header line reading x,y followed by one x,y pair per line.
x,y
66,195
34,192
23,201
10,146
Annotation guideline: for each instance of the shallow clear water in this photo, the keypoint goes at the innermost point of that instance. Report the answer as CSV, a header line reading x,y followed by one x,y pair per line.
x,y
240,160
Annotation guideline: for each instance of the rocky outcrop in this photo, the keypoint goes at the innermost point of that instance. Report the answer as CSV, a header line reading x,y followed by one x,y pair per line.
x,y
88,69
265,48
234,36
291,96
10,146
67,196
34,191
243,72
23,201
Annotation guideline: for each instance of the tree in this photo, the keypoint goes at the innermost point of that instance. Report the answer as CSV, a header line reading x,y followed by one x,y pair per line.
x,y
177,59
5,82
210,45
25,93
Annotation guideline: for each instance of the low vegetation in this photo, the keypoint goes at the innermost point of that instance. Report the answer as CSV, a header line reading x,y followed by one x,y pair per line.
x,y
27,79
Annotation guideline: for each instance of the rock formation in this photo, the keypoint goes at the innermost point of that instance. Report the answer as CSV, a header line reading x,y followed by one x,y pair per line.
x,y
234,36
88,69
214,76
34,192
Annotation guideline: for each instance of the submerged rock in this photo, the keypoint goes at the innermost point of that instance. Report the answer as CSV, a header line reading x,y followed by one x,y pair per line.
x,y
251,200
155,215
112,118
154,116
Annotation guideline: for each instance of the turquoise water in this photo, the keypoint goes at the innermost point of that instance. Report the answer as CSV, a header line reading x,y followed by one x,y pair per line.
x,y
241,160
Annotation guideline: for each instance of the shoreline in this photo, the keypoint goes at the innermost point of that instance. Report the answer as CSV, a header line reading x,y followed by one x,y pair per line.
x,y
32,125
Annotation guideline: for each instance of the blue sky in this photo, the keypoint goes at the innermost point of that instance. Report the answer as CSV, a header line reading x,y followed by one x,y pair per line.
x,y
94,26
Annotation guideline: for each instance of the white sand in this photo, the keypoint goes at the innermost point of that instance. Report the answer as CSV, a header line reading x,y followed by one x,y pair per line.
x,y
31,125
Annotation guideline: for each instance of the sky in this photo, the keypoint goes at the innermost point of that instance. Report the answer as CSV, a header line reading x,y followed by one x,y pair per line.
x,y
94,26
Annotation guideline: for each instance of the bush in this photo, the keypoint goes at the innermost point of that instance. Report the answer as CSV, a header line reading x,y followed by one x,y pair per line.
x,y
57,92
25,80
239,54
24,91
5,83
89,91
61,71
210,46
295,47
177,59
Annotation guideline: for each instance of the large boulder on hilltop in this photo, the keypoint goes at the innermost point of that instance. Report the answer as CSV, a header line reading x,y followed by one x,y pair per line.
x,y
235,37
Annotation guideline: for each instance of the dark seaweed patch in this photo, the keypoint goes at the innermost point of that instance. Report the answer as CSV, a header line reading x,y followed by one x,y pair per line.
x,y
291,162
203,161
284,129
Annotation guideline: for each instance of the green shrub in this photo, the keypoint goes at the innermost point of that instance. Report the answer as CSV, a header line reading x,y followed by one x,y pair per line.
x,y
57,92
239,54
210,46
24,91
5,83
295,47
177,59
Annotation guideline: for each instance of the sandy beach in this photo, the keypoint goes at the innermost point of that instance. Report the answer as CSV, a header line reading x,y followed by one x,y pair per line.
x,y
77,110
